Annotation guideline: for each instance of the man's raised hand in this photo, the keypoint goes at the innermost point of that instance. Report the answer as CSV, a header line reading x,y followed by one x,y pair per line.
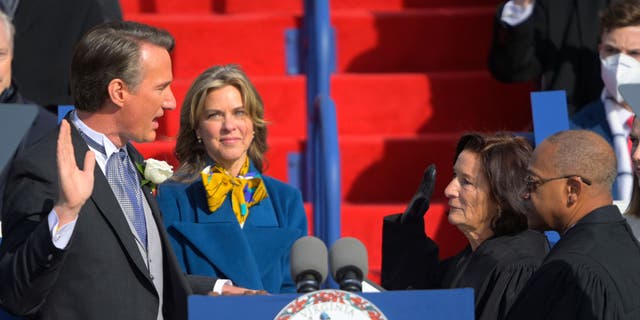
x,y
75,184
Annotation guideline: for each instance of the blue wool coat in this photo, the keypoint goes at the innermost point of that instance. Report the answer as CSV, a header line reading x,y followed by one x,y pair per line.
x,y
214,244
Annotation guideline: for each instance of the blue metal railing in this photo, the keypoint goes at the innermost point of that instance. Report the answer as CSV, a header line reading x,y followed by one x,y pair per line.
x,y
326,155
322,157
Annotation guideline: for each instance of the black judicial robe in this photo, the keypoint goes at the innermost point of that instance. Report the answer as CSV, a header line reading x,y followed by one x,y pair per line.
x,y
497,270
593,272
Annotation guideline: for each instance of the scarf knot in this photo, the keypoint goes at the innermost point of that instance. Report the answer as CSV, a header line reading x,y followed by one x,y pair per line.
x,y
247,189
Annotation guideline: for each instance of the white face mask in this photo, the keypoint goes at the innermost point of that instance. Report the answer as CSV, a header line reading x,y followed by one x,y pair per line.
x,y
619,69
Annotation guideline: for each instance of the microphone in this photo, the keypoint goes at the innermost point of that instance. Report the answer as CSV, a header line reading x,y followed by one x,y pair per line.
x,y
349,263
308,264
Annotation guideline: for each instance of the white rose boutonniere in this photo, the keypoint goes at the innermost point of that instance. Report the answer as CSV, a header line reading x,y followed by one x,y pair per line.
x,y
154,172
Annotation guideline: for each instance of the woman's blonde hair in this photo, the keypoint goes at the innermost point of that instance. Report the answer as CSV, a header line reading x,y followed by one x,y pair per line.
x,y
189,151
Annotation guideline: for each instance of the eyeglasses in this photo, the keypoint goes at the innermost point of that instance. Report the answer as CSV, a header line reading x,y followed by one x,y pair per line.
x,y
534,183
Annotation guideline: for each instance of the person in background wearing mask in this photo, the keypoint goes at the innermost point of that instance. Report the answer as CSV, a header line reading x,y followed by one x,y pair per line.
x,y
610,116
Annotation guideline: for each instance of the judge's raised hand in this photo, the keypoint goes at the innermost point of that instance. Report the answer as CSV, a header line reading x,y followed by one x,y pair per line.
x,y
75,185
420,202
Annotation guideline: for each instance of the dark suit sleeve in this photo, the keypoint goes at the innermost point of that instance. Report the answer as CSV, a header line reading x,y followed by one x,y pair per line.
x,y
409,257
513,55
29,262
202,285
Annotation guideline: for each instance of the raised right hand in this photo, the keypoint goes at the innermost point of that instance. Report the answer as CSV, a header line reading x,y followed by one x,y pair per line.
x,y
75,185
420,202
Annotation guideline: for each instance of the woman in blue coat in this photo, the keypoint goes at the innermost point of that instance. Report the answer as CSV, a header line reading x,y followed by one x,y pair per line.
x,y
224,217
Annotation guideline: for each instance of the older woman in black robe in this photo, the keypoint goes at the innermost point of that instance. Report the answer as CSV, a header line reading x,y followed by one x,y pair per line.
x,y
486,206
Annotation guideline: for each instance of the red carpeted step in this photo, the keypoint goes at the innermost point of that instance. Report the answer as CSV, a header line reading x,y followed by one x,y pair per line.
x,y
255,41
295,6
290,6
383,169
385,123
131,6
366,41
413,40
388,103
406,104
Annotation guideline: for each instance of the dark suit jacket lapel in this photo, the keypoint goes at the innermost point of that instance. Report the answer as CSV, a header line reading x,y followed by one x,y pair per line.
x,y
106,202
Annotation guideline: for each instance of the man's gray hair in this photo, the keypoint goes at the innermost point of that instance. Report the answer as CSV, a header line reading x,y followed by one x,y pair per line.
x,y
8,26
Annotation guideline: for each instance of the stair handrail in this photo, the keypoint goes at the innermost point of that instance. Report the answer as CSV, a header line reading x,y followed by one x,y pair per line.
x,y
326,155
322,167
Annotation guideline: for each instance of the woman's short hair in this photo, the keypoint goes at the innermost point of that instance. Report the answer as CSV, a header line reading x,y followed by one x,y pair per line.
x,y
192,155
504,163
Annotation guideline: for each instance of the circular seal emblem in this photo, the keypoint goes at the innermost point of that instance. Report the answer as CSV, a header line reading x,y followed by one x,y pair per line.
x,y
330,304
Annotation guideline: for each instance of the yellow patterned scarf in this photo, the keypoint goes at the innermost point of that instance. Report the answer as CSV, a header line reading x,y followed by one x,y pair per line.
x,y
247,189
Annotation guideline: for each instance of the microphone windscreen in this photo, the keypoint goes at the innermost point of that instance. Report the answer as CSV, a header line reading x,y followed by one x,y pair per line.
x,y
348,252
309,253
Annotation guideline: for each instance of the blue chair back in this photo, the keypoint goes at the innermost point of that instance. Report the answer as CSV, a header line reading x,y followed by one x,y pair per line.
x,y
550,115
63,110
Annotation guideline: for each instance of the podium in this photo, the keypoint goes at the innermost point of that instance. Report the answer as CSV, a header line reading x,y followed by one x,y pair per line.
x,y
449,304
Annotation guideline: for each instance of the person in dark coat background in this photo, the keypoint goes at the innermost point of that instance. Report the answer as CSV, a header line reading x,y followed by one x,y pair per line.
x,y
44,122
46,33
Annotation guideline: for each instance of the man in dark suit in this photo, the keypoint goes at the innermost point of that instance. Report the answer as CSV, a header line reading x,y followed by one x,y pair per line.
x,y
554,41
592,271
89,244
